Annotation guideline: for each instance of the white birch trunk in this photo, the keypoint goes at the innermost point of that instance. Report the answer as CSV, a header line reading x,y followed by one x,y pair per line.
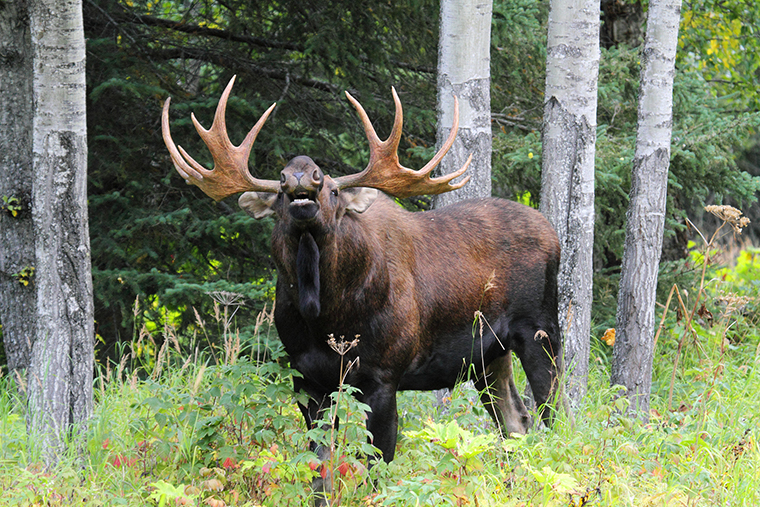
x,y
464,70
567,181
17,295
60,376
633,351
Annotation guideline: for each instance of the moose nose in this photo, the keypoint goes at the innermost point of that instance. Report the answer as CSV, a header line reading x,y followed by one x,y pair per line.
x,y
313,178
301,175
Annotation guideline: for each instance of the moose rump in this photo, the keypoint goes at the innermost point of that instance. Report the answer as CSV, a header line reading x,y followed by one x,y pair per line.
x,y
413,287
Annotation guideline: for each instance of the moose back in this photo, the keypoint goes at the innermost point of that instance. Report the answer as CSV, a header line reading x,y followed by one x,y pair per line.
x,y
352,263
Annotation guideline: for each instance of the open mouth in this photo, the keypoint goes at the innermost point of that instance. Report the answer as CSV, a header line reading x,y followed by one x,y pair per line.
x,y
303,197
303,205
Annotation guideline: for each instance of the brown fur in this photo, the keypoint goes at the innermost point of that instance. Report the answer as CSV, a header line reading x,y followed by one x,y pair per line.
x,y
410,285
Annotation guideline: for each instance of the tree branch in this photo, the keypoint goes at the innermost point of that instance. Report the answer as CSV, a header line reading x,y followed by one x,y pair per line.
x,y
237,64
146,20
126,16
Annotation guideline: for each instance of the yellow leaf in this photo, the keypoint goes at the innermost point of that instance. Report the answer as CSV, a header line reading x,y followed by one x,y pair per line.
x,y
609,337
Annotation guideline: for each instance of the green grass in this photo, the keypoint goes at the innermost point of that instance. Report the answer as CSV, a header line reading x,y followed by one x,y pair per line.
x,y
169,429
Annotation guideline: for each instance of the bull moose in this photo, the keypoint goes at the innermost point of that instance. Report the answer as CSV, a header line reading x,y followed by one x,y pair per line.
x,y
352,262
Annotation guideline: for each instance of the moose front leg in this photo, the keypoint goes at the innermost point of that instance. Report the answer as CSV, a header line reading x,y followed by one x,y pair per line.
x,y
313,411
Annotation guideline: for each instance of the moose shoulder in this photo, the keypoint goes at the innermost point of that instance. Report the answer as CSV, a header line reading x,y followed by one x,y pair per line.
x,y
351,262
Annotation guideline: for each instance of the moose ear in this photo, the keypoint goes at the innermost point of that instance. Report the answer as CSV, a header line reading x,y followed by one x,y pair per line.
x,y
258,204
358,199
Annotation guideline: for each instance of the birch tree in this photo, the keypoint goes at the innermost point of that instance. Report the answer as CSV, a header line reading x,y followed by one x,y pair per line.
x,y
567,180
17,296
464,70
634,344
60,374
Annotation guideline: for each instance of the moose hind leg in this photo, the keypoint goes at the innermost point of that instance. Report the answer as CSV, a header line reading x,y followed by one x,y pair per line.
x,y
541,360
500,397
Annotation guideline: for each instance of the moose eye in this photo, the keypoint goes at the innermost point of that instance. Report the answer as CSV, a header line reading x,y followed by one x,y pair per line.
x,y
335,192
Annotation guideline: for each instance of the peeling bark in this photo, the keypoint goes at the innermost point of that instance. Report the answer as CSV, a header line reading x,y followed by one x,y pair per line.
x,y
633,352
464,70
567,180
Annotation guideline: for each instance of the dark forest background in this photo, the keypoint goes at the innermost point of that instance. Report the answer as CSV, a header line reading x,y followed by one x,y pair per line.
x,y
160,246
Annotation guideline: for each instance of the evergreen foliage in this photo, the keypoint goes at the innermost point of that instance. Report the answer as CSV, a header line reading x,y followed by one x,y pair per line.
x,y
156,237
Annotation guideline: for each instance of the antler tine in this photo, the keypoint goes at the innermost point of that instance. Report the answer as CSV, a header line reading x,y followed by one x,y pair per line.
x,y
390,144
384,171
230,174
182,167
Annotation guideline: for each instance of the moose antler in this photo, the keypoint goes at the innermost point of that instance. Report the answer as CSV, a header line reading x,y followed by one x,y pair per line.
x,y
384,172
230,174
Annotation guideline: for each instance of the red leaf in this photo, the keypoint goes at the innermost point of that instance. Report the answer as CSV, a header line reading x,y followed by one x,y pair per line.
x,y
268,466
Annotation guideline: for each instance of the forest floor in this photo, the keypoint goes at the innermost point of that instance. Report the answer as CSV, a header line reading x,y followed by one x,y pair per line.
x,y
172,428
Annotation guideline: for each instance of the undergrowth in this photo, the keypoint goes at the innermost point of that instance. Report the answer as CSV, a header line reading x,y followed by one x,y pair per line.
x,y
181,427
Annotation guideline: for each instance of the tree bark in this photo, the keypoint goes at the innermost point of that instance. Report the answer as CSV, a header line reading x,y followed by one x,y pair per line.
x,y
17,295
567,181
464,70
61,370
634,345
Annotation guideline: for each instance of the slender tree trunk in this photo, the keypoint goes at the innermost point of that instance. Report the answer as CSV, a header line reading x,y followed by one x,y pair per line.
x,y
60,375
633,352
567,181
464,70
17,295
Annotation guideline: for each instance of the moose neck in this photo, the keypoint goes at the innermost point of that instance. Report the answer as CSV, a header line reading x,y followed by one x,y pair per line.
x,y
315,263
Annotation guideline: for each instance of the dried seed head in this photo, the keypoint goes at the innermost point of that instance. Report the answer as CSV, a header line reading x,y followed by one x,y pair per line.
x,y
733,301
198,319
343,346
730,215
491,282
226,298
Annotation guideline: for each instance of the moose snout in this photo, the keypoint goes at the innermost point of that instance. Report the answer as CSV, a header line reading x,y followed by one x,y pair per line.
x,y
301,177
